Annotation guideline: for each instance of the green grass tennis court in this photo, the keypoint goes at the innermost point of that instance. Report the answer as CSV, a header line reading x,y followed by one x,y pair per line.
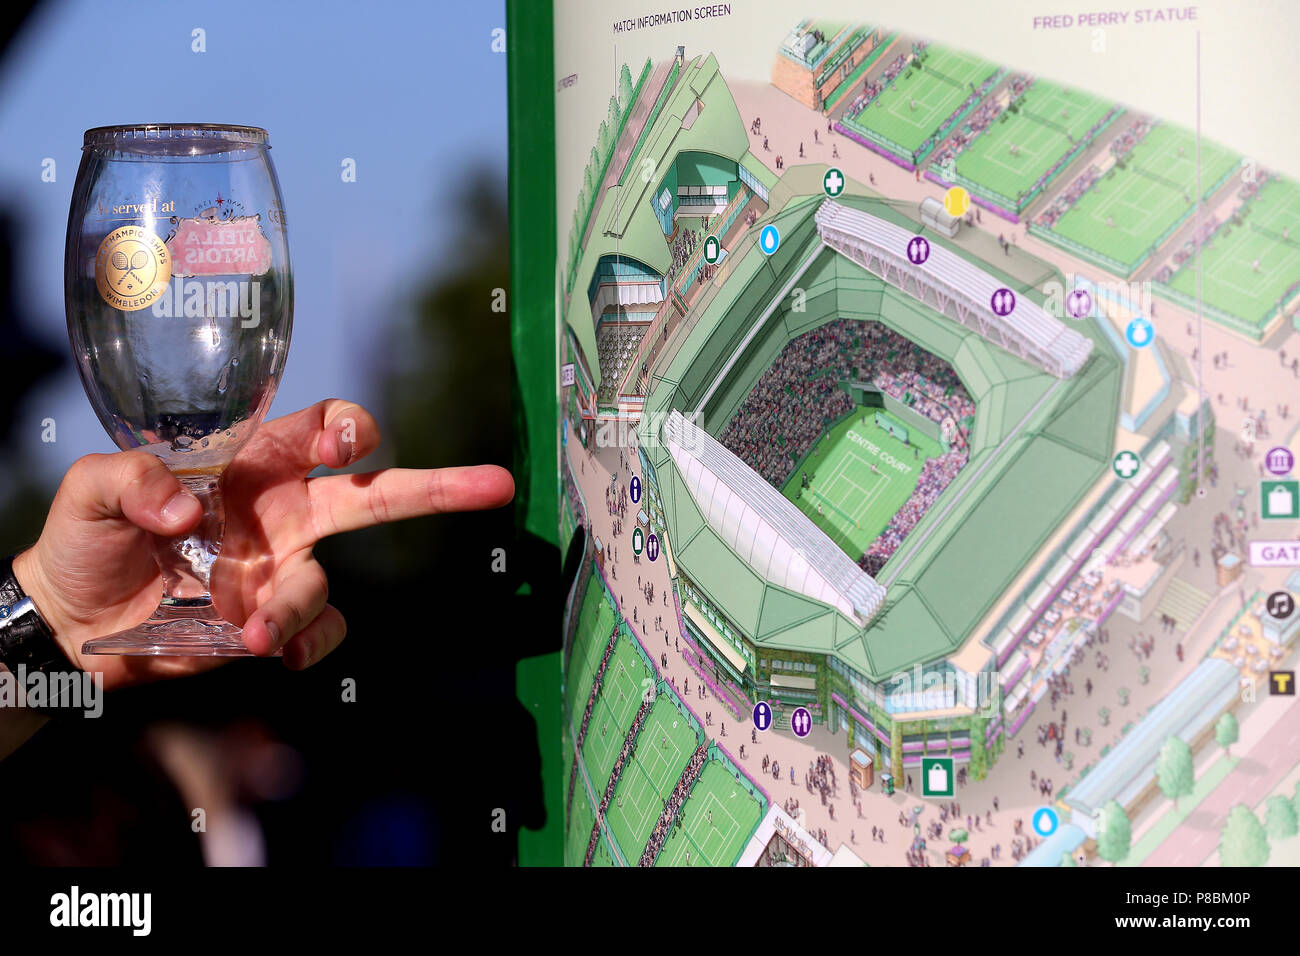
x,y
717,821
1049,121
856,502
909,112
611,718
1125,214
596,619
582,817
663,748
1229,280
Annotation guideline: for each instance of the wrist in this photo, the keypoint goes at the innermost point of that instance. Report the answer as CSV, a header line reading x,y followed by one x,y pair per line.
x,y
26,637
31,579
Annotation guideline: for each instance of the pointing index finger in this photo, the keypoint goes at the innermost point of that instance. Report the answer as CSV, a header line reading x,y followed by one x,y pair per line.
x,y
342,503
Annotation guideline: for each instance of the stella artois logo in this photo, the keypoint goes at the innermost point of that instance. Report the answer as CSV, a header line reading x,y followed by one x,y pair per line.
x,y
209,246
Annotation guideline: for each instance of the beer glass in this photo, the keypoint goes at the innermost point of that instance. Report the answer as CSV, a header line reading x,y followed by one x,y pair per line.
x,y
180,305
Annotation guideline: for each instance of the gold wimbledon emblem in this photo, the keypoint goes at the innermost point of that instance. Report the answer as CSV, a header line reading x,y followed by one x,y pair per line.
x,y
132,267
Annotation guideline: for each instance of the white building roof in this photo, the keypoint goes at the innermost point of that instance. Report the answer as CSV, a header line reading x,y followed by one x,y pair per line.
x,y
1028,330
764,529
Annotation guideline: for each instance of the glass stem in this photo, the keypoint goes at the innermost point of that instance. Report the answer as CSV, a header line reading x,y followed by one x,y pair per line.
x,y
186,561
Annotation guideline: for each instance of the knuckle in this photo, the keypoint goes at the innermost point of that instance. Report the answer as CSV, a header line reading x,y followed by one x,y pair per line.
x,y
293,616
138,466
85,466
435,490
380,509
320,583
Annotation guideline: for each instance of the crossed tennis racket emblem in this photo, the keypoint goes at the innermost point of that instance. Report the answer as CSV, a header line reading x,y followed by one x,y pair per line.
x,y
130,268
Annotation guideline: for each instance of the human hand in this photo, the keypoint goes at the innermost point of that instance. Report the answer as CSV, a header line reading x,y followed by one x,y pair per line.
x,y
92,572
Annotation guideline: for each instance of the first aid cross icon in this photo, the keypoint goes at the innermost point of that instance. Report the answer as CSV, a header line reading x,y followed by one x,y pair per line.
x,y
1126,465
833,182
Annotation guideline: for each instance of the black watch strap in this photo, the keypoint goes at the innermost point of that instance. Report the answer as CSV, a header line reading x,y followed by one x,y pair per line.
x,y
25,638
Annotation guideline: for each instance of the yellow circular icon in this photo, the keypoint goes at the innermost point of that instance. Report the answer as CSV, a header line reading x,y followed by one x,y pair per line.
x,y
132,267
956,201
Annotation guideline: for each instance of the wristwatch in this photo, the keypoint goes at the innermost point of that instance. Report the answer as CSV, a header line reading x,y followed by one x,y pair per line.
x,y
25,638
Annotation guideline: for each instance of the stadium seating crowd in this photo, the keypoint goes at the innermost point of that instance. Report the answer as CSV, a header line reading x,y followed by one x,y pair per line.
x,y
871,90
586,714
1068,197
672,808
616,774
616,346
1124,143
797,398
936,475
978,121
686,242
1119,148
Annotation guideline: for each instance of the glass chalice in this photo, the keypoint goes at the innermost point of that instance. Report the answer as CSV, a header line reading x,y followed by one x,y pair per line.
x,y
180,306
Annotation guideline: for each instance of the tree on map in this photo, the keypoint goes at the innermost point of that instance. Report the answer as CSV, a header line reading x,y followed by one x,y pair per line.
x,y
1103,715
614,115
1280,818
602,143
1114,834
625,87
1226,731
959,836
1243,841
1174,770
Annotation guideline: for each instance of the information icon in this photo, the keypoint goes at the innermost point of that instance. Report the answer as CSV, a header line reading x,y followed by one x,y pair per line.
x,y
634,489
769,239
652,547
762,715
801,722
918,250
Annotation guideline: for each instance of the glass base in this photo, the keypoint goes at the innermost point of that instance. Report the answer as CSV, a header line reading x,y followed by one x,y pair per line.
x,y
176,632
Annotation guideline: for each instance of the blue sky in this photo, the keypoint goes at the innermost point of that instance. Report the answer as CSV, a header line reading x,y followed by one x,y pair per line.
x,y
411,91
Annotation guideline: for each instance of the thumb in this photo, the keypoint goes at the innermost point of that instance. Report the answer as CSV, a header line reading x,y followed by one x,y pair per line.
x,y
133,485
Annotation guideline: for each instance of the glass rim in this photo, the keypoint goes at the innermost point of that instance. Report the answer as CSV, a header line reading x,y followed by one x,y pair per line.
x,y
162,132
